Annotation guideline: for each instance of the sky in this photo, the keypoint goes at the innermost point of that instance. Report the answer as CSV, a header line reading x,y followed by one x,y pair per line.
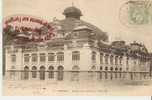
x,y
105,14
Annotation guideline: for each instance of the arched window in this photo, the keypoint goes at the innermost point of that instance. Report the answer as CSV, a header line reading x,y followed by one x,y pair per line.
x,y
111,68
75,55
101,68
120,69
75,73
34,72
51,72
42,73
26,72
60,73
106,73
60,56
51,56
111,74
120,72
100,73
116,69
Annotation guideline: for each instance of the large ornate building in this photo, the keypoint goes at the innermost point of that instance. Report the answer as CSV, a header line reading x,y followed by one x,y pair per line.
x,y
78,51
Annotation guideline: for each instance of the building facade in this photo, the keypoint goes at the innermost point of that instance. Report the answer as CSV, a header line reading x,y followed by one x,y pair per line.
x,y
78,51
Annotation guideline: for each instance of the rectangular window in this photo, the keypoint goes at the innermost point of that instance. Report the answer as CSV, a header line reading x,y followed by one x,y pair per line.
x,y
42,57
51,57
34,57
75,56
111,60
120,61
127,61
106,59
101,58
13,57
60,57
93,56
26,57
116,60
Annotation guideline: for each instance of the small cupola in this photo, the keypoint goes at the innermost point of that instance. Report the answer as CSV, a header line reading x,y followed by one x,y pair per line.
x,y
72,12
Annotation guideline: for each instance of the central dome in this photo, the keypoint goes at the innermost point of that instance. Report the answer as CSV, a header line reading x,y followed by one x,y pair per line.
x,y
69,24
72,12
72,22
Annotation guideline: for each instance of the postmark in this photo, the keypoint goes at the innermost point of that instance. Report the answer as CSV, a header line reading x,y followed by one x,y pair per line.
x,y
136,13
27,28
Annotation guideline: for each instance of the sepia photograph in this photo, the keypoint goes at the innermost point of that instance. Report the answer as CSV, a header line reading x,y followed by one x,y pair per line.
x,y
77,48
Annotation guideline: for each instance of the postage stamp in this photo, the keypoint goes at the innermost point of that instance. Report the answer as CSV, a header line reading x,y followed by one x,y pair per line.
x,y
136,13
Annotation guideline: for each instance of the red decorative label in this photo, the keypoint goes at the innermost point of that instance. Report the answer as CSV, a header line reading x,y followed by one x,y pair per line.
x,y
31,29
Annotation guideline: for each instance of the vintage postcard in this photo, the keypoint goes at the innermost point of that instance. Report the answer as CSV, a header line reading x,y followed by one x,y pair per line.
x,y
77,47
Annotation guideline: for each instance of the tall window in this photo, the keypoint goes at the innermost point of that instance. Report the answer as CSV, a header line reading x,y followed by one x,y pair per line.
x,y
51,72
116,60
34,73
106,58
111,59
116,69
60,56
26,72
60,73
101,58
100,73
42,57
42,73
127,61
120,69
106,73
13,57
34,57
93,56
75,55
120,72
111,75
51,56
26,57
120,61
